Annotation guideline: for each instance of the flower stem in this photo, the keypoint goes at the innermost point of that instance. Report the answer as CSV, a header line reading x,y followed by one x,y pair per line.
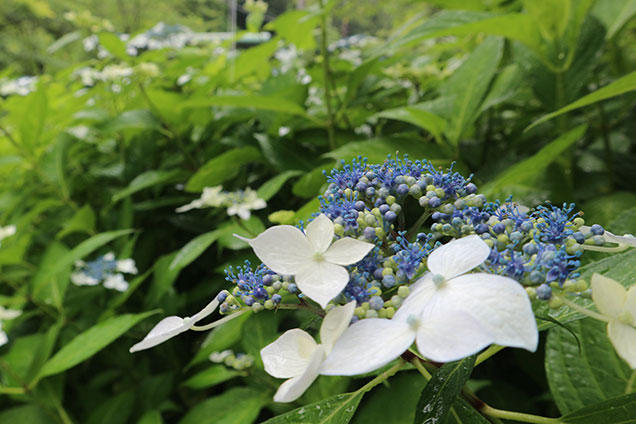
x,y
491,351
583,310
517,416
380,378
218,322
418,364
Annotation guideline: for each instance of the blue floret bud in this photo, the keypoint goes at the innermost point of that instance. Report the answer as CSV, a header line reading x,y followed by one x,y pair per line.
x,y
579,237
597,230
481,229
499,228
369,233
359,205
390,216
434,202
376,303
388,281
544,292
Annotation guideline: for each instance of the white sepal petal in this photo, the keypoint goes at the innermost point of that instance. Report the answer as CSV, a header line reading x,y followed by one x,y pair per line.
x,y
608,295
289,355
3,336
623,337
293,388
458,257
420,294
499,304
446,335
207,310
368,345
320,233
335,323
164,330
347,251
284,249
321,281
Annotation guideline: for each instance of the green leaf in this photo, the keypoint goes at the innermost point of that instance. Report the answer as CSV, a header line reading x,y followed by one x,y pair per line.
x,y
33,118
620,410
376,150
148,179
235,406
253,101
151,417
469,84
259,331
85,248
338,409
222,168
117,409
297,27
604,209
442,390
527,169
504,88
624,222
310,183
82,221
622,85
192,250
91,341
379,405
462,413
273,185
46,286
141,119
111,42
31,414
575,378
614,14
211,376
421,118
163,278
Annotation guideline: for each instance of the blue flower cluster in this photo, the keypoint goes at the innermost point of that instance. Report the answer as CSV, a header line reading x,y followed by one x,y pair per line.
x,y
408,208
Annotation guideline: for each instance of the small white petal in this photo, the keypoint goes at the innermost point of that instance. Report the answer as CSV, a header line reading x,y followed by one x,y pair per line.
x,y
368,345
446,335
321,281
458,256
164,330
127,266
82,279
116,282
207,310
630,302
293,388
283,249
195,204
3,336
320,233
421,293
335,323
289,355
499,304
347,251
9,313
608,295
110,256
623,337
220,356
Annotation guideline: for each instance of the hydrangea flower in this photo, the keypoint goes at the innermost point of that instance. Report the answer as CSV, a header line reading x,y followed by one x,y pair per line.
x,y
212,197
316,262
618,305
296,356
6,314
449,313
106,269
171,326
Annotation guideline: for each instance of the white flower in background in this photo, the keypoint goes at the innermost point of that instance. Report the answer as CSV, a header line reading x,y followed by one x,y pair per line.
x,y
20,86
6,314
244,202
211,197
106,269
7,231
172,326
116,72
116,282
296,356
219,357
449,314
619,306
316,263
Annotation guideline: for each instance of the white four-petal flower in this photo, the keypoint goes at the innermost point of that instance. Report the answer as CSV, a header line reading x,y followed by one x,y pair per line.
x,y
296,356
316,264
449,314
619,305
172,326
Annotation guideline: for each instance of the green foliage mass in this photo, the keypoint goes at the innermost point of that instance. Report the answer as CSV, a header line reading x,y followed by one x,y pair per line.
x,y
535,98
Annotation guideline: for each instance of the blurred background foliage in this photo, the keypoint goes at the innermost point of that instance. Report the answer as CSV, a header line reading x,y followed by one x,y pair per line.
x,y
115,113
